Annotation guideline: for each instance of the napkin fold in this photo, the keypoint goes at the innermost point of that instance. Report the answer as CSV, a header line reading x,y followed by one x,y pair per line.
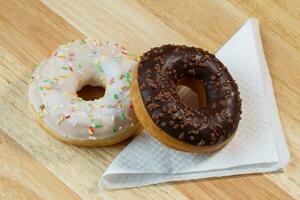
x,y
258,146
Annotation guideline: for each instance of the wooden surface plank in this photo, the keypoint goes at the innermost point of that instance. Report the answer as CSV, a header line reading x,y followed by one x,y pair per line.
x,y
29,30
22,177
238,187
282,17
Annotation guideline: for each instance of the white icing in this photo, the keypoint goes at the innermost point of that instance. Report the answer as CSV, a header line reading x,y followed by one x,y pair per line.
x,y
56,80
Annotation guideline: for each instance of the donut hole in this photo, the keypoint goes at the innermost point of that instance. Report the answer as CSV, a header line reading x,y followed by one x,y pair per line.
x,y
90,93
192,92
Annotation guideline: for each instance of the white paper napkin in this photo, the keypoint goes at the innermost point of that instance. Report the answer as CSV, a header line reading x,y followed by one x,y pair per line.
x,y
258,146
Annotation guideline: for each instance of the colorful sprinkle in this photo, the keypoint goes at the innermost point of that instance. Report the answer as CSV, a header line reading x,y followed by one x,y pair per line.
x,y
111,81
130,106
99,67
61,56
43,110
131,54
116,97
96,124
79,66
114,130
48,81
97,61
91,130
101,106
65,68
123,116
127,77
124,88
118,59
109,106
82,42
60,120
90,116
42,107
65,76
124,52
47,87
121,106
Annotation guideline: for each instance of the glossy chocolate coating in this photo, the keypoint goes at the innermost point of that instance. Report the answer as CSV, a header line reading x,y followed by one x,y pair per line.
x,y
158,73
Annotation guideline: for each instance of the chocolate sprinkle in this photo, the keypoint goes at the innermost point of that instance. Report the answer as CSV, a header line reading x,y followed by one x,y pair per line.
x,y
159,71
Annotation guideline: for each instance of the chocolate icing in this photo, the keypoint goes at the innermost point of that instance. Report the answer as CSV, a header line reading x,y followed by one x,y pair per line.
x,y
158,73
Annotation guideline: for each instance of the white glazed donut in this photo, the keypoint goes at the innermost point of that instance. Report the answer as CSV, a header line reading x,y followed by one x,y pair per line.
x,y
56,80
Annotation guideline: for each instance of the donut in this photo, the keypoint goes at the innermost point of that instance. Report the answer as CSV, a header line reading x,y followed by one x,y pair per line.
x,y
99,122
166,117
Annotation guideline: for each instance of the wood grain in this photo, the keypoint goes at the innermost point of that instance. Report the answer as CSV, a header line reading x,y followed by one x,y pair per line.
x,y
30,29
22,177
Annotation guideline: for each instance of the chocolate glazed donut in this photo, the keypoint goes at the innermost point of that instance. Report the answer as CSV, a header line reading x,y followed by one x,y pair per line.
x,y
171,121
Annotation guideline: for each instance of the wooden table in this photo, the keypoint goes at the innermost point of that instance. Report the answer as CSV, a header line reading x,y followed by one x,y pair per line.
x,y
33,165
